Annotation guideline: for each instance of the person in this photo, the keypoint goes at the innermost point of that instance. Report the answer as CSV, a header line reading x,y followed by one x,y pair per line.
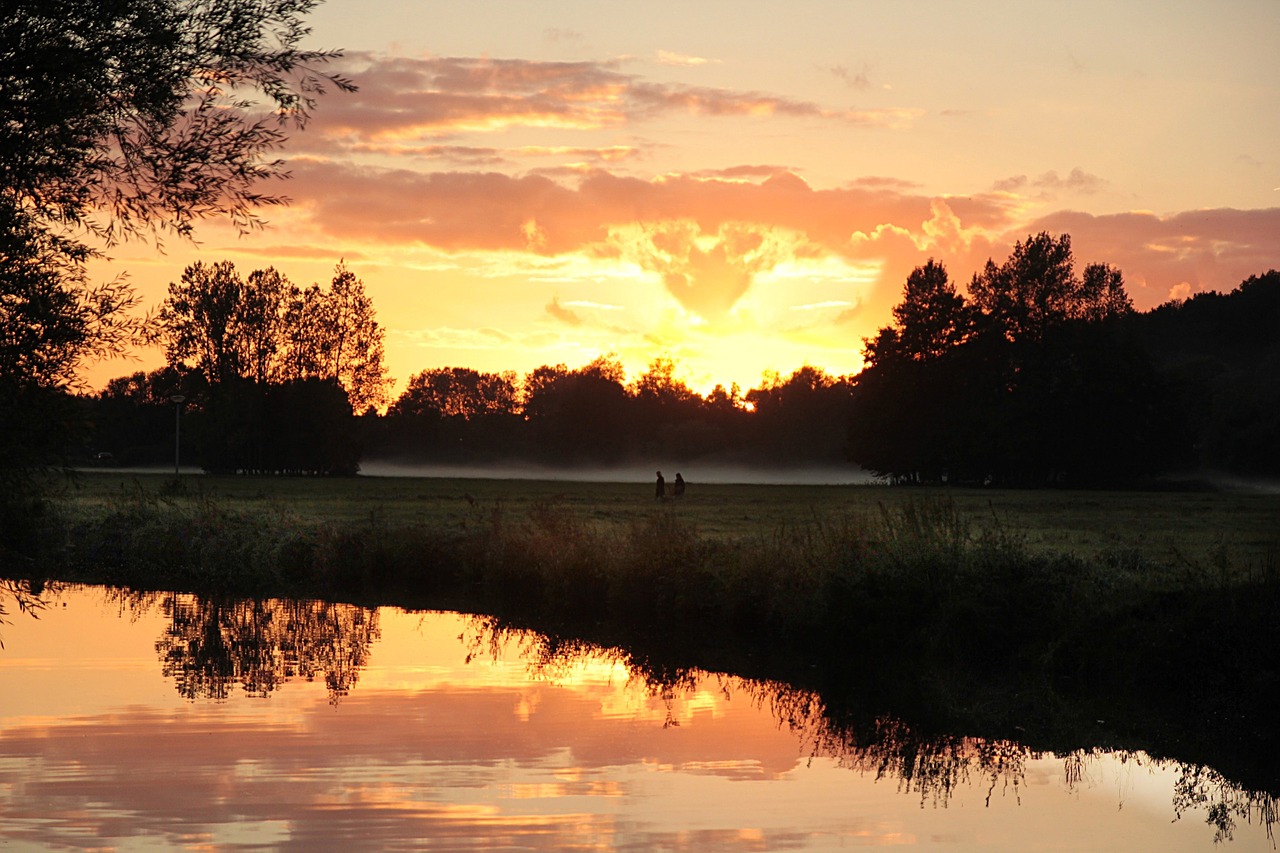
x,y
679,489
661,488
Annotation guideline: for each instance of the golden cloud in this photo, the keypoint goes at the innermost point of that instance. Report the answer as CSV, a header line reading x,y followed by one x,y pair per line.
x,y
709,236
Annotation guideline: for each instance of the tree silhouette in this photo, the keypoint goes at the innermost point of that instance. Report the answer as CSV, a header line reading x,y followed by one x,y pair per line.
x,y
1220,356
579,416
123,118
799,419
1035,381
930,321
456,414
270,330
1036,288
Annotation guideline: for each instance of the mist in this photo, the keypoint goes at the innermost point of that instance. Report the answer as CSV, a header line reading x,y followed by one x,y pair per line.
x,y
829,475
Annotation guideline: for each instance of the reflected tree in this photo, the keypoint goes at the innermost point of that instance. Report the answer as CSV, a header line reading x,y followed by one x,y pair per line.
x,y
934,766
211,644
1199,787
30,597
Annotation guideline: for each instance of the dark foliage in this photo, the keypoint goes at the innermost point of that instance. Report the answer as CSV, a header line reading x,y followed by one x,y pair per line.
x,y
119,119
1047,378
300,427
1220,354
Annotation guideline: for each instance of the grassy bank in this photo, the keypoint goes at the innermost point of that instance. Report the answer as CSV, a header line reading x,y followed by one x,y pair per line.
x,y
1152,612
1158,526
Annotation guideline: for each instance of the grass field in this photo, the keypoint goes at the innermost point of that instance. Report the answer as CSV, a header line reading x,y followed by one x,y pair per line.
x,y
1163,526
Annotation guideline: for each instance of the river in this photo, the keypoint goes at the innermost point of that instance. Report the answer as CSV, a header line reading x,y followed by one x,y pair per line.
x,y
169,721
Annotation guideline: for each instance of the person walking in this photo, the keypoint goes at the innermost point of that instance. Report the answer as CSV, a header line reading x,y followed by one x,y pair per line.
x,y
660,490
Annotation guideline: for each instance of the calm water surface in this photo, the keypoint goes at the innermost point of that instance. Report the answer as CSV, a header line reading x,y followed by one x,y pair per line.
x,y
169,722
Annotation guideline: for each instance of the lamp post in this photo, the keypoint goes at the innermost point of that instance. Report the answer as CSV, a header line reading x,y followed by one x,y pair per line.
x,y
177,400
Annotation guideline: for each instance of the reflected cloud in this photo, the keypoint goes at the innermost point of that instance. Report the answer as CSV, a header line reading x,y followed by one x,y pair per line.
x,y
554,743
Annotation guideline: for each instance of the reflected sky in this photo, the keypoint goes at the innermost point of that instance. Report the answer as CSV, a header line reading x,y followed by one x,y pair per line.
x,y
437,746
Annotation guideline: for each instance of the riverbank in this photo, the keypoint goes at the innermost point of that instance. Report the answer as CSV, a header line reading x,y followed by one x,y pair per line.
x,y
906,605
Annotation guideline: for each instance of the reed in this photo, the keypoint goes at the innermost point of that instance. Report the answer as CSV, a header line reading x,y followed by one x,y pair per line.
x,y
914,575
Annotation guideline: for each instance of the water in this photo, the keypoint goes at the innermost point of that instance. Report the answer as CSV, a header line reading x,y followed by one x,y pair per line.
x,y
160,722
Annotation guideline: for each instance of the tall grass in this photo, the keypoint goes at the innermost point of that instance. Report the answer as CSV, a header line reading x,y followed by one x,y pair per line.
x,y
911,577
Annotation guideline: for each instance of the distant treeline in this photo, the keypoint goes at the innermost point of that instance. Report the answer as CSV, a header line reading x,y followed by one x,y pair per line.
x,y
1036,377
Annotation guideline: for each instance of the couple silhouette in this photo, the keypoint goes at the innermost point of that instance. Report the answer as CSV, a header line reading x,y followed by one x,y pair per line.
x,y
660,488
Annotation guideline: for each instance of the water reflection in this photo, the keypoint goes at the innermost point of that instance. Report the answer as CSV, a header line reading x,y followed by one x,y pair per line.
x,y
210,645
932,767
473,736
28,597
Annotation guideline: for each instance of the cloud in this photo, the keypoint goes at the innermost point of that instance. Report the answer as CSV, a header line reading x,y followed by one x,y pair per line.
x,y
707,238
380,771
666,57
854,80
408,104
451,339
709,235
1164,257
1078,182
557,35
564,315
744,172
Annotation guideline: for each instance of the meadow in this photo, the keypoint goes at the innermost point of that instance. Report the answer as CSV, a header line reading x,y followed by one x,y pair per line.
x,y
1166,526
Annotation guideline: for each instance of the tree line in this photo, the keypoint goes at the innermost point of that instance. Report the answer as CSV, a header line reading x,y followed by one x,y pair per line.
x,y
122,119
1040,376
1033,375
268,375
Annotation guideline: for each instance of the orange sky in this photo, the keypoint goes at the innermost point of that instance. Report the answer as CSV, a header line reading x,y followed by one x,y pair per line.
x,y
744,186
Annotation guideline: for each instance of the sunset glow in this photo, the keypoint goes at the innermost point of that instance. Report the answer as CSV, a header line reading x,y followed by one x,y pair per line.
x,y
745,187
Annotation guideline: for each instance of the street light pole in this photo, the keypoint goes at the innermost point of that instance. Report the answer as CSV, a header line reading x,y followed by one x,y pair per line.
x,y
177,400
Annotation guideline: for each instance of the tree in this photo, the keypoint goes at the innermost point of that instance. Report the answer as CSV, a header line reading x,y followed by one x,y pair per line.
x,y
264,324
52,321
300,426
1037,288
123,118
269,330
666,413
800,419
456,414
350,347
579,416
201,321
932,317
131,116
458,392
132,417
1029,383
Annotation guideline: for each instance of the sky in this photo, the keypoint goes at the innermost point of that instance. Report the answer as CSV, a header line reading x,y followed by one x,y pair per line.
x,y
744,186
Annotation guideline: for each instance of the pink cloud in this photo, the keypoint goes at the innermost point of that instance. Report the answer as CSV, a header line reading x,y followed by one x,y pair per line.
x,y
1183,253
881,221
404,98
